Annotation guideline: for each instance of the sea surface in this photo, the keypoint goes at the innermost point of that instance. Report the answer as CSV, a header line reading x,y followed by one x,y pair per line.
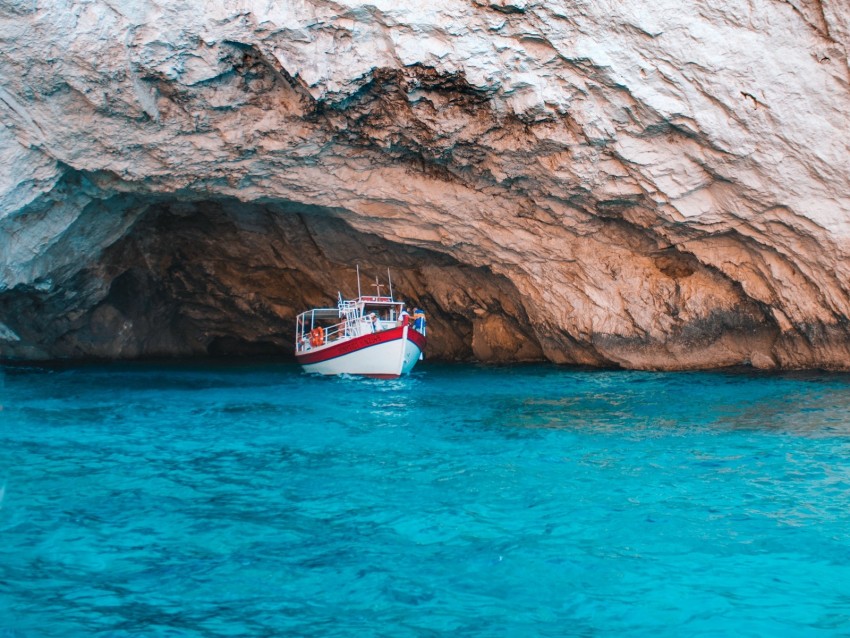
x,y
254,500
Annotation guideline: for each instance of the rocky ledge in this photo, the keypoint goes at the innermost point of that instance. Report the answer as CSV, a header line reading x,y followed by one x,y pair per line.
x,y
657,186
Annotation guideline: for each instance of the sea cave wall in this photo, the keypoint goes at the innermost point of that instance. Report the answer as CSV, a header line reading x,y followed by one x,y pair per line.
x,y
659,186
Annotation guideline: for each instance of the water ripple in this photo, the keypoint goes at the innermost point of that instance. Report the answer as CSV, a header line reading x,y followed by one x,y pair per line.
x,y
177,500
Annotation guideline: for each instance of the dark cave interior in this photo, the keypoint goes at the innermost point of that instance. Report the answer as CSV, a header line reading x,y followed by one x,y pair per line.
x,y
227,278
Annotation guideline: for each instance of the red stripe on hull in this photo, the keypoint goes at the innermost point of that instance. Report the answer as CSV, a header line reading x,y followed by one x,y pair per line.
x,y
359,343
417,338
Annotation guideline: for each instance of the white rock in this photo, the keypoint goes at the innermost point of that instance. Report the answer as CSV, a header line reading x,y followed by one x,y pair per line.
x,y
711,129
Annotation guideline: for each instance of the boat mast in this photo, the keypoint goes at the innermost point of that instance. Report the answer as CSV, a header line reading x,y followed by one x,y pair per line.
x,y
358,281
390,279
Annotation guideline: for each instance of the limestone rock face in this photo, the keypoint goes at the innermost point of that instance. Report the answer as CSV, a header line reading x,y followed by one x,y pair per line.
x,y
652,185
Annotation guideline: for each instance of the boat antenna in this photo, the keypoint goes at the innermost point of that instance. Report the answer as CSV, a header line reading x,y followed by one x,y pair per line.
x,y
390,279
358,282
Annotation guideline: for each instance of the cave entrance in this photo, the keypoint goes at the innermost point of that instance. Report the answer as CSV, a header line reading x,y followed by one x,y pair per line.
x,y
227,278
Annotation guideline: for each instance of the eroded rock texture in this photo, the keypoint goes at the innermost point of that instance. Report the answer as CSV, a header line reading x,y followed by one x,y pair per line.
x,y
646,185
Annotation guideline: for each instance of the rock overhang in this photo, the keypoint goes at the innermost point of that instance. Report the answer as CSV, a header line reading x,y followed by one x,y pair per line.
x,y
641,198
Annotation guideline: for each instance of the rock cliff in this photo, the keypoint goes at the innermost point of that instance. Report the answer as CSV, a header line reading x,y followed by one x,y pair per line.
x,y
659,186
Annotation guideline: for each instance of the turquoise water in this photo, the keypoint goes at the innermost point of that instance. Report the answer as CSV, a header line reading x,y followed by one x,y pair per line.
x,y
143,500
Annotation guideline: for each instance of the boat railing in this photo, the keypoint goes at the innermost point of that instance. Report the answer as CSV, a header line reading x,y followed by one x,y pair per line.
x,y
331,333
356,320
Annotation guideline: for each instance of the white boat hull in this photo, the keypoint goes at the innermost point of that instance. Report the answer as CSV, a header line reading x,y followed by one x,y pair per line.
x,y
387,354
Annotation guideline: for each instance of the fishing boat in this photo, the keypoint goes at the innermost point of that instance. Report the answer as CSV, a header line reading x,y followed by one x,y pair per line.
x,y
371,335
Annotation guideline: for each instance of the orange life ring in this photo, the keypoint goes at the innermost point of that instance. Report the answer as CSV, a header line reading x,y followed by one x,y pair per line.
x,y
317,337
